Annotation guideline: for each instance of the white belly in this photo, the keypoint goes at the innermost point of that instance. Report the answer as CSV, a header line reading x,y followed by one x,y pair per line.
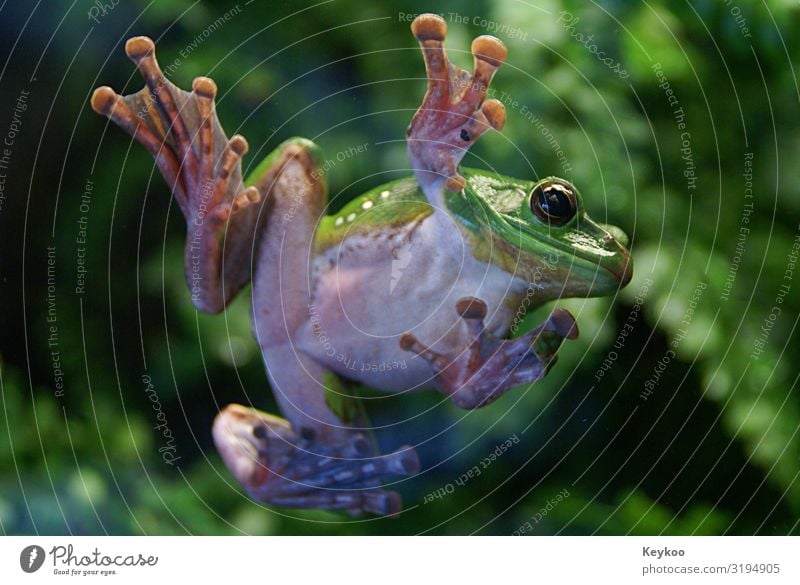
x,y
371,290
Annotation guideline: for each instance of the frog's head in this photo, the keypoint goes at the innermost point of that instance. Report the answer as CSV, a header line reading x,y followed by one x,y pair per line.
x,y
541,233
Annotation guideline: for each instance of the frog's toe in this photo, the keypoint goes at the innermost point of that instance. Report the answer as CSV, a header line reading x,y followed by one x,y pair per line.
x,y
376,501
495,113
429,27
490,51
471,308
278,467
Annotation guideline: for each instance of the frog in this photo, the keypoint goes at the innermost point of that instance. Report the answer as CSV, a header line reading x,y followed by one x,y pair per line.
x,y
419,280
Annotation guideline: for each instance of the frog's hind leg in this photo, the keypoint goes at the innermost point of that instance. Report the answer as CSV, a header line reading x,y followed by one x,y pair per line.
x,y
277,466
454,112
202,167
321,456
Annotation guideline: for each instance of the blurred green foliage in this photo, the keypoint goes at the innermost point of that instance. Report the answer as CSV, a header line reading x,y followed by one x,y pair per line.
x,y
713,449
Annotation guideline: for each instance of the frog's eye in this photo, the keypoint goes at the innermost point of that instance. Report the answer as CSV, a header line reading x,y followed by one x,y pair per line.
x,y
554,202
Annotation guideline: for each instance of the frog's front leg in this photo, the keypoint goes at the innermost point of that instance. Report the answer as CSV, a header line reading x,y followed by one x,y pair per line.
x,y
202,168
480,371
453,114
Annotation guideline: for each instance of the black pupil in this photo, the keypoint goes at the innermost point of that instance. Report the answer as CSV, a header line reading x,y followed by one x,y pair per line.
x,y
554,202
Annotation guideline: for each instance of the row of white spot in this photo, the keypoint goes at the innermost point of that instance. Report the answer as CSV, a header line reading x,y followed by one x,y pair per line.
x,y
366,205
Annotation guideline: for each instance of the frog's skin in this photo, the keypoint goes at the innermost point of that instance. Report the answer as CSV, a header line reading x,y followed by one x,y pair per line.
x,y
410,286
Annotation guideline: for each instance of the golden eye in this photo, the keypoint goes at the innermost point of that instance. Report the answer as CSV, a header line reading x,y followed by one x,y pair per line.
x,y
554,202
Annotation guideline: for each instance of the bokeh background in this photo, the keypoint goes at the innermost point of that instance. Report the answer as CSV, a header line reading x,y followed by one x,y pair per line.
x,y
685,424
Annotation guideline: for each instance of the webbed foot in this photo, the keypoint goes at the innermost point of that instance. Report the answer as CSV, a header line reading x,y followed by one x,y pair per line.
x,y
277,466
482,370
201,165
453,114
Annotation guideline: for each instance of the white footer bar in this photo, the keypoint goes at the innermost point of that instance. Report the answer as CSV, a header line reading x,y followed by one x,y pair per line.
x,y
401,560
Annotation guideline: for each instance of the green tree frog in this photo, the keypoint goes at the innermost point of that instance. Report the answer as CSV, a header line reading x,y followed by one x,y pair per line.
x,y
427,272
